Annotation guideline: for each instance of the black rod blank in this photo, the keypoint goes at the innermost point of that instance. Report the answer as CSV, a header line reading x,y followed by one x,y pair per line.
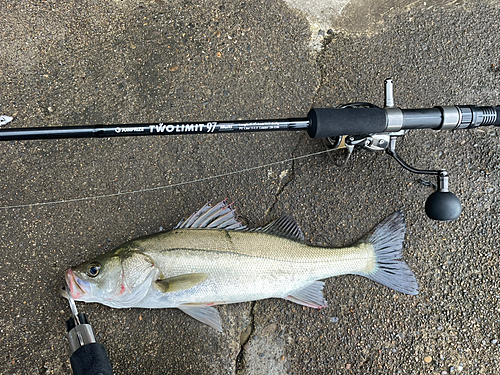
x,y
101,131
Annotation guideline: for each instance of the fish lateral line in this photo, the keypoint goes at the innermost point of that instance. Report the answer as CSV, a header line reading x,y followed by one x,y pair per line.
x,y
283,259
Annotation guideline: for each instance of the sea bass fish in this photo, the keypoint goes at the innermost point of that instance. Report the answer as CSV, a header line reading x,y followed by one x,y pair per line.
x,y
211,259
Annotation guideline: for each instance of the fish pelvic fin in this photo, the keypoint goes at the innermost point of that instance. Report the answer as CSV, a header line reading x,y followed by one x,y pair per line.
x,y
311,296
204,313
390,269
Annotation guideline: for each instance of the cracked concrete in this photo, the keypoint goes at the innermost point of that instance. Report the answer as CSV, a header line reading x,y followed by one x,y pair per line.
x,y
264,350
245,337
284,178
143,61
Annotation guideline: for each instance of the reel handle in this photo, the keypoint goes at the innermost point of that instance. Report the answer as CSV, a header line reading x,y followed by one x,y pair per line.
x,y
443,206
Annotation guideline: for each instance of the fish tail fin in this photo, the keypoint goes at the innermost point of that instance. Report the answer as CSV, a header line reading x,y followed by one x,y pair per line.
x,y
390,269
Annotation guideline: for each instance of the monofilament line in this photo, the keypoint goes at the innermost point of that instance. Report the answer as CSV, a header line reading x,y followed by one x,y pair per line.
x,y
164,186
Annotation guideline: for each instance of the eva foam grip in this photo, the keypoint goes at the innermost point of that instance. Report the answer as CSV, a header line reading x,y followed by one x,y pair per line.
x,y
91,359
497,110
331,122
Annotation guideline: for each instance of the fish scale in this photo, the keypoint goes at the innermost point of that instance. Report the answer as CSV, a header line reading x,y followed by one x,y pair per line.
x,y
195,266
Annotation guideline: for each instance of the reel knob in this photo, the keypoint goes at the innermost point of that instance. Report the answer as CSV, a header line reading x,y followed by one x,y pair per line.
x,y
443,206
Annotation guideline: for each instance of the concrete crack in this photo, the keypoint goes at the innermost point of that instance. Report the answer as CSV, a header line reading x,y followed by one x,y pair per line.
x,y
329,38
244,339
290,177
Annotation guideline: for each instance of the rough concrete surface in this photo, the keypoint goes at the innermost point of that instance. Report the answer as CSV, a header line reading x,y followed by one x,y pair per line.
x,y
90,62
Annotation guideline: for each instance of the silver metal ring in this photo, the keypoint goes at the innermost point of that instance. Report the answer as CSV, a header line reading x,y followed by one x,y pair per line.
x,y
394,119
451,117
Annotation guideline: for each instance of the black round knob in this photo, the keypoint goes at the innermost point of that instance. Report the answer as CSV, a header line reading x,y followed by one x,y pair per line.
x,y
443,206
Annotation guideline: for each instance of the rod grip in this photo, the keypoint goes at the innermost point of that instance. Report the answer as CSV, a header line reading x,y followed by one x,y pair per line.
x,y
497,121
331,122
91,359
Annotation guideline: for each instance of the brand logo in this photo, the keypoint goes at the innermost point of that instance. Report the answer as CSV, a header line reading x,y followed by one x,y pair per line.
x,y
129,130
208,127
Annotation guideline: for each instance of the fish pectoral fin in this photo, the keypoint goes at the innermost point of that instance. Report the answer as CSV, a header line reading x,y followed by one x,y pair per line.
x,y
205,314
310,296
181,282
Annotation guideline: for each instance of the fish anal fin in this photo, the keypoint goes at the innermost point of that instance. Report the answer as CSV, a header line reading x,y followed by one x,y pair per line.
x,y
181,282
205,314
311,296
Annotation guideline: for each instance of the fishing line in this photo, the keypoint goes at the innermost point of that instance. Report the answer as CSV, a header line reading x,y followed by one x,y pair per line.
x,y
164,186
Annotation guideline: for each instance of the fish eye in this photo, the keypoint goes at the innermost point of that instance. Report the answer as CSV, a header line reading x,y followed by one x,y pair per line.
x,y
94,269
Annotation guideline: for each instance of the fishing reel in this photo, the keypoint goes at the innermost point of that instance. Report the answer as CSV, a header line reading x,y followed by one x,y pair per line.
x,y
368,127
442,204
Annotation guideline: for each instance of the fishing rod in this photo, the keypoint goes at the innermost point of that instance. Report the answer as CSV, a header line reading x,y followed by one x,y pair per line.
x,y
351,126
87,356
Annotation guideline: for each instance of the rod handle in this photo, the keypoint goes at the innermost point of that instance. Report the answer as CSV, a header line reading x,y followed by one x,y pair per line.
x,y
332,122
91,359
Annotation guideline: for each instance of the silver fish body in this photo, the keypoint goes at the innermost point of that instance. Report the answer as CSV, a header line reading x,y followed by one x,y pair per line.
x,y
211,259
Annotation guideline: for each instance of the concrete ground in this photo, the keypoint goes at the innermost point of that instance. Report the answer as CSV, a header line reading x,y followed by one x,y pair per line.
x,y
91,62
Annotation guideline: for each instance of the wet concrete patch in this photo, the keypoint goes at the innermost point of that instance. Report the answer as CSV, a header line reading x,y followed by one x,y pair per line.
x,y
367,16
320,12
360,16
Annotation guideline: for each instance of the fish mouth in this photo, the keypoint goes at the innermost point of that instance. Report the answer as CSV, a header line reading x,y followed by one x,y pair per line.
x,y
76,286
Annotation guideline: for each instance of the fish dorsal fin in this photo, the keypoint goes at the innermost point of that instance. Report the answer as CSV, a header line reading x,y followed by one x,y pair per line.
x,y
220,216
285,227
181,282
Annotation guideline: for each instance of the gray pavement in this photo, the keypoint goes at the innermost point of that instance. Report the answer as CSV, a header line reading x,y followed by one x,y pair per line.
x,y
71,63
